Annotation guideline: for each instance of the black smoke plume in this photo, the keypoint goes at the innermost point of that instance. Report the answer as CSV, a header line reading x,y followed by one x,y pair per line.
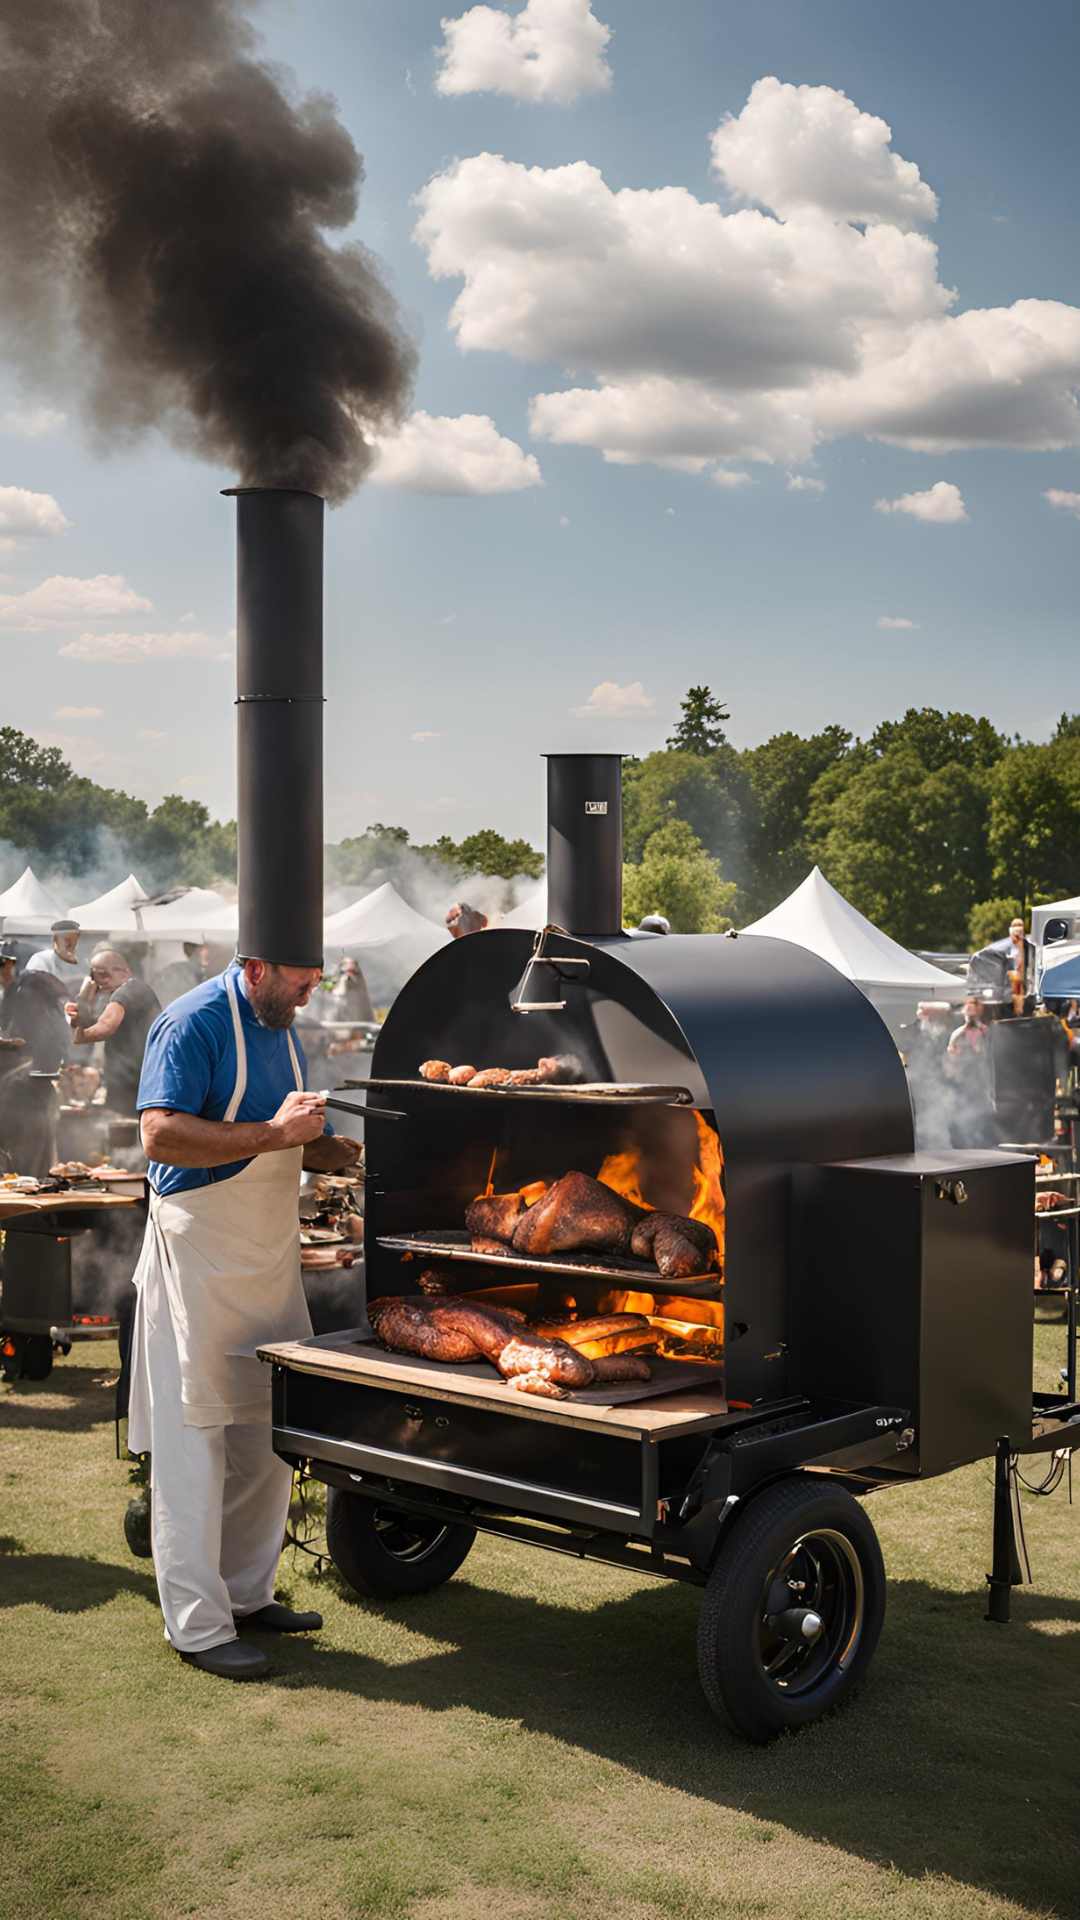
x,y
164,200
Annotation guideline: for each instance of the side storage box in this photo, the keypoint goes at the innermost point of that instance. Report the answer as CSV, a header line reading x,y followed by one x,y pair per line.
x,y
911,1280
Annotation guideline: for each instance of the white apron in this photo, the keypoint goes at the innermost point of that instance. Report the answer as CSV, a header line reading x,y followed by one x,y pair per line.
x,y
222,1264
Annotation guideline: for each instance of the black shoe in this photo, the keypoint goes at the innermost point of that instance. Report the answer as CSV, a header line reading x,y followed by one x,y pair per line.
x,y
278,1619
233,1660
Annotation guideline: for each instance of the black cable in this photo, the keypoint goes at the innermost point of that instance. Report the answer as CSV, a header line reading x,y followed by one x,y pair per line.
x,y
302,1542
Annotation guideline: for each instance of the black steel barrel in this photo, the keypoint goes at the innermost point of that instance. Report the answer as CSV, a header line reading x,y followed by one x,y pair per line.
x,y
279,724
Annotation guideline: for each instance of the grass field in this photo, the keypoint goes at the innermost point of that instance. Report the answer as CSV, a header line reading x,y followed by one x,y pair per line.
x,y
528,1743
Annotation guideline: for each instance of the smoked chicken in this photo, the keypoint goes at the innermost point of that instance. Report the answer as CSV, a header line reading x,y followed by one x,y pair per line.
x,y
576,1214
494,1215
678,1247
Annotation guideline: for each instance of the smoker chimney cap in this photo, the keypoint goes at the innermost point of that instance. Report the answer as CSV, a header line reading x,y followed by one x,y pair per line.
x,y
230,493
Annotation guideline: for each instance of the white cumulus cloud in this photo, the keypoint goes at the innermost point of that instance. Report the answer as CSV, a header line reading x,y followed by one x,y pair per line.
x,y
550,50
942,504
799,148
63,601
24,514
896,623
79,713
132,649
609,701
31,423
696,336
437,453
1067,502
730,477
804,483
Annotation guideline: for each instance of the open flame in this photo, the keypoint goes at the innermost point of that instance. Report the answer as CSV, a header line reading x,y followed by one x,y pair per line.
x,y
622,1173
686,1327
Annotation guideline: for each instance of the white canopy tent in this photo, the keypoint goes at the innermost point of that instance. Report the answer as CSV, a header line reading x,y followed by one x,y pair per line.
x,y
817,917
27,907
200,914
529,913
388,937
113,912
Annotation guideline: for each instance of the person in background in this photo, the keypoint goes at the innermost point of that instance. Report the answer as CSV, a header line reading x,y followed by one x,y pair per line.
x,y
349,996
183,974
462,919
10,1046
967,1066
123,1024
62,958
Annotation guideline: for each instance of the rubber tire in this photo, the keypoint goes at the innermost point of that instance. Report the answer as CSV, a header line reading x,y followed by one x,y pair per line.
x,y
734,1684
32,1359
362,1560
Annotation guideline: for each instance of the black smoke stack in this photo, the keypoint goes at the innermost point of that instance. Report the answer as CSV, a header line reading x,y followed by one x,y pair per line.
x,y
584,846
279,724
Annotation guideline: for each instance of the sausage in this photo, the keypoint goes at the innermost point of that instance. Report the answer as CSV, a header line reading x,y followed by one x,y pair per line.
x,y
622,1366
595,1327
460,1076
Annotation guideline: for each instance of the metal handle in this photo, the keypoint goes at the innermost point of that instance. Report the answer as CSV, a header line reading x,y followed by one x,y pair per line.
x,y
360,1113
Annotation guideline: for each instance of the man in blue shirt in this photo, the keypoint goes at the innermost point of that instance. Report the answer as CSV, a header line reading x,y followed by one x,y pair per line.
x,y
227,1126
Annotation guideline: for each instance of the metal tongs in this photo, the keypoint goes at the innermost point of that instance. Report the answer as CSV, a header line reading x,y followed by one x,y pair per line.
x,y
519,1000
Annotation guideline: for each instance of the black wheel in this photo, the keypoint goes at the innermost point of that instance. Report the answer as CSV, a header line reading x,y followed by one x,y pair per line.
x,y
137,1525
384,1552
793,1609
26,1356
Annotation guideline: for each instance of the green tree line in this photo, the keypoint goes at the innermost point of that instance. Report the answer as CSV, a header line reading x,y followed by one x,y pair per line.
x,y
937,827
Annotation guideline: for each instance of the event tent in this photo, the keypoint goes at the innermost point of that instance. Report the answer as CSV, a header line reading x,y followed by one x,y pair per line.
x,y
817,917
26,907
113,912
529,913
200,914
388,937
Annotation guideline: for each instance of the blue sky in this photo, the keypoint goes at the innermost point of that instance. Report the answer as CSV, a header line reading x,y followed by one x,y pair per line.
x,y
483,620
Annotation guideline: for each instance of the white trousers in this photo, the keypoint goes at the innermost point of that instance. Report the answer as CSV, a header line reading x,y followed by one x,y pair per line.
x,y
218,1507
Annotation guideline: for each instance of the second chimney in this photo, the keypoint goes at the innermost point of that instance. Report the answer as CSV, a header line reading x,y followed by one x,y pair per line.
x,y
584,849
279,724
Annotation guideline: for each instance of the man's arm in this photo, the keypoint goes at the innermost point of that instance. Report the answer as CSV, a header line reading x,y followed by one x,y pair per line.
x,y
112,1018
184,1140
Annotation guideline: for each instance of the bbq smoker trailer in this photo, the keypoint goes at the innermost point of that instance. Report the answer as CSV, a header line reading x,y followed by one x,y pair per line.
x,y
869,1322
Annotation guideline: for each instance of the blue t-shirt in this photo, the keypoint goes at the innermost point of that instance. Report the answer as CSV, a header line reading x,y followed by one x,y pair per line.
x,y
190,1066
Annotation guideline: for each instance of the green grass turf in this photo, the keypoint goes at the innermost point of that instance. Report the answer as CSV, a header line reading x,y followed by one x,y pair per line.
x,y
528,1743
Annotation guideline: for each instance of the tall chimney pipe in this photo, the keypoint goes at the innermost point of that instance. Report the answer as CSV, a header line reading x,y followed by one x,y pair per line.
x,y
279,724
584,852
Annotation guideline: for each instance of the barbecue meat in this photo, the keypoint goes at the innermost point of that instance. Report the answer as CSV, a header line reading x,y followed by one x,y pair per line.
x,y
525,1077
528,1358
622,1366
576,1214
495,1249
460,1076
494,1216
491,1077
407,1326
435,1070
678,1247
602,1334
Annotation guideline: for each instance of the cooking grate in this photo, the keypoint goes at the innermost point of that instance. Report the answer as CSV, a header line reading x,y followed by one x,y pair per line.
x,y
602,1092
454,1244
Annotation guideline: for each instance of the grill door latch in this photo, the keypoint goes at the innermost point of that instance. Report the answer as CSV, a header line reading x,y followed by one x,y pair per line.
x,y
952,1190
562,966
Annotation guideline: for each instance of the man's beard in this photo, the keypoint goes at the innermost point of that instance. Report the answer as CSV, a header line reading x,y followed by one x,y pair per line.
x,y
274,1004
